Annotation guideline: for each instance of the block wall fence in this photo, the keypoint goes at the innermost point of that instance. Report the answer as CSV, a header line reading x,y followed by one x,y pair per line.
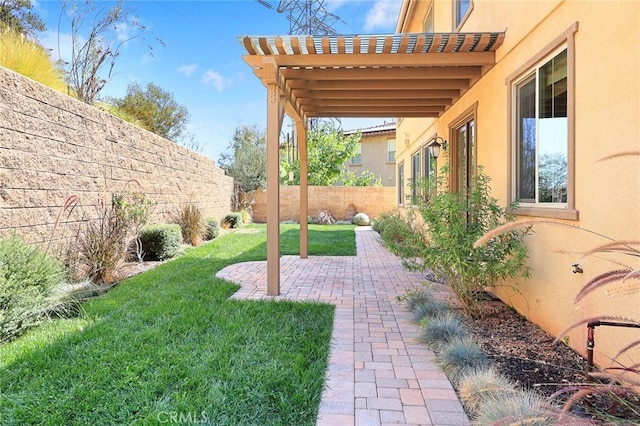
x,y
53,146
342,201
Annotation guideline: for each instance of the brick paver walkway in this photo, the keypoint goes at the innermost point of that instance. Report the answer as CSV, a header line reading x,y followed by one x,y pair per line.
x,y
377,374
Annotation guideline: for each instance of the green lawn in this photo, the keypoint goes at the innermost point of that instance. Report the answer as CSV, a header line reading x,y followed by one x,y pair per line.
x,y
168,346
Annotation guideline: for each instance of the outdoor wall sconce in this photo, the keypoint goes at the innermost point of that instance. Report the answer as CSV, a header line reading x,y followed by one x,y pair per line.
x,y
435,146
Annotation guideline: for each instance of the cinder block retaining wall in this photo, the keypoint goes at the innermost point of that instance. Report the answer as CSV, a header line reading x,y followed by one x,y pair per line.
x,y
53,146
342,201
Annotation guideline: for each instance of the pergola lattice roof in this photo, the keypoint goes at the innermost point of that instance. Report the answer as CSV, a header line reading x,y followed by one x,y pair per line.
x,y
399,75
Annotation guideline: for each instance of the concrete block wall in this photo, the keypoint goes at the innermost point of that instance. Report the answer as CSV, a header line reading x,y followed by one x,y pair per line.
x,y
342,201
53,146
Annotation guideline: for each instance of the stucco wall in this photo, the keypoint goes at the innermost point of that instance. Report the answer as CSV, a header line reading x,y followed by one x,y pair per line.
x,y
607,108
375,158
53,146
342,201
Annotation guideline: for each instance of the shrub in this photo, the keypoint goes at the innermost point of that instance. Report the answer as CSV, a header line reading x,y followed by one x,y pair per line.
x,y
212,228
378,224
459,356
27,279
429,308
361,219
452,223
397,234
481,384
441,330
232,220
191,222
524,407
325,218
161,241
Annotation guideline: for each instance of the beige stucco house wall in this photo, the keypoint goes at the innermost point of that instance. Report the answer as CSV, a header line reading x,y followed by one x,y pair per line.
x,y
602,85
376,153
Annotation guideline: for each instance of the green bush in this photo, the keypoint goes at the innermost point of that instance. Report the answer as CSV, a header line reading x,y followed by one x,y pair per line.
x,y
191,222
27,278
211,228
233,219
397,233
445,244
379,223
161,241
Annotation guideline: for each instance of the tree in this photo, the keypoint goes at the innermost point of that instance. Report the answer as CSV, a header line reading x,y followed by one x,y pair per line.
x,y
247,161
327,150
98,32
17,15
156,110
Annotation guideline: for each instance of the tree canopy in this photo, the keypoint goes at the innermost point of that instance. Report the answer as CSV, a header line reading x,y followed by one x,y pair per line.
x,y
247,160
327,150
156,110
17,15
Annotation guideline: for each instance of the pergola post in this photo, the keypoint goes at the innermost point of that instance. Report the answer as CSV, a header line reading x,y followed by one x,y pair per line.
x,y
301,142
275,113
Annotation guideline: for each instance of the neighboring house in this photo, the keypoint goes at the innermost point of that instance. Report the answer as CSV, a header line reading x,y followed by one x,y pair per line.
x,y
563,95
376,153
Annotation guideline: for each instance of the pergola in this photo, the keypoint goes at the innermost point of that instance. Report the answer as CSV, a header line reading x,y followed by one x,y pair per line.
x,y
399,75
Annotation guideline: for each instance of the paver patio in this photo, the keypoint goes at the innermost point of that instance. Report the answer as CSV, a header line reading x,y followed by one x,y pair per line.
x,y
377,374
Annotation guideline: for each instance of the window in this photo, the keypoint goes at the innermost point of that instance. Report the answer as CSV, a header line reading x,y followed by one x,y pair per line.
x,y
391,151
429,168
541,134
461,9
465,161
357,159
401,183
415,178
428,21
542,131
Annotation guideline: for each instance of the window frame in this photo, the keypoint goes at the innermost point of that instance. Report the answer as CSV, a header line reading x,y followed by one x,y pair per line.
x,y
401,183
357,156
395,146
566,210
467,116
428,20
428,171
416,178
458,25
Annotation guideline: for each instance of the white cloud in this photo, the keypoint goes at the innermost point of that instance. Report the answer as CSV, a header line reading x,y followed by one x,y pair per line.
x,y
383,15
122,31
188,69
214,79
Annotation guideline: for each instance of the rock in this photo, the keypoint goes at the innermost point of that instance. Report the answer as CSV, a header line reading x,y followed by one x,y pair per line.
x,y
361,219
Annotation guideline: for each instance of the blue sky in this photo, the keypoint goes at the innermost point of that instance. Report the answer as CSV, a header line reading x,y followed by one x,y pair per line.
x,y
201,63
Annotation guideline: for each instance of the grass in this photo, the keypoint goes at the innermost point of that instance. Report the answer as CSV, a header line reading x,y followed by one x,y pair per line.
x,y
25,57
169,343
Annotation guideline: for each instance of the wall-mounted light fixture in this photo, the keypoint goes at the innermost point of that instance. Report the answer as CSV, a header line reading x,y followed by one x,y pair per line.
x,y
435,146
